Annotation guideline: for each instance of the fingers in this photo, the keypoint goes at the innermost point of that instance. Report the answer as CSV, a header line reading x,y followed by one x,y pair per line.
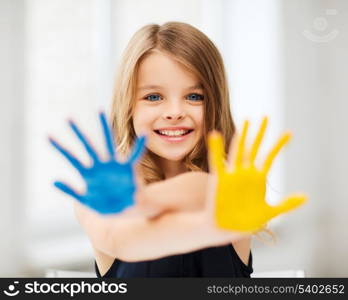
x,y
288,204
241,145
232,152
138,149
285,137
68,190
109,139
216,152
84,141
73,160
256,145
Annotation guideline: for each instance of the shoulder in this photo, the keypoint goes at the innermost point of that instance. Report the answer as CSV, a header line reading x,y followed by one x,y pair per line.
x,y
242,248
103,262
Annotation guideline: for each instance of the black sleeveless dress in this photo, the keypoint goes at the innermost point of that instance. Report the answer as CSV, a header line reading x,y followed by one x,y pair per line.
x,y
209,262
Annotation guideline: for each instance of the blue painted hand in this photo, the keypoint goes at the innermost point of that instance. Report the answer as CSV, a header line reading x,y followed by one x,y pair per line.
x,y
110,185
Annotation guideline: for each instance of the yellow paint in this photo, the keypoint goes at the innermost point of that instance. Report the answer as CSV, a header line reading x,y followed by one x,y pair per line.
x,y
240,203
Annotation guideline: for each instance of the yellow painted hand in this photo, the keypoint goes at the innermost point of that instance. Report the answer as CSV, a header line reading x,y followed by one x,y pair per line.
x,y
240,203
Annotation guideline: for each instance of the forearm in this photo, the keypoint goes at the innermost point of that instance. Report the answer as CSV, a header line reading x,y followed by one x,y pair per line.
x,y
137,239
93,225
133,237
169,234
183,192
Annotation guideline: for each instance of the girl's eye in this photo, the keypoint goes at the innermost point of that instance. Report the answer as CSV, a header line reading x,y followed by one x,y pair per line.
x,y
152,97
196,97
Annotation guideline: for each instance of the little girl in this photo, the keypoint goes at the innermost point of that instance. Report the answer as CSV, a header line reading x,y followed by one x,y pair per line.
x,y
172,88
176,79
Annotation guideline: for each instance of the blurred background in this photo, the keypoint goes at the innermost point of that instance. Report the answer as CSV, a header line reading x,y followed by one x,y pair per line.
x,y
286,59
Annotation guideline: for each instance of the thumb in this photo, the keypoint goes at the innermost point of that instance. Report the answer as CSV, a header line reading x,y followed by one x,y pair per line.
x,y
289,203
142,195
215,152
138,176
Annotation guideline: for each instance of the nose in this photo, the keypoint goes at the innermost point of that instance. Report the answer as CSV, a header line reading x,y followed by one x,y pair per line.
x,y
174,111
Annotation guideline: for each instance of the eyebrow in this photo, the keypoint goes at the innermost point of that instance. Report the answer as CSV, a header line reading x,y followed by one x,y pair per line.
x,y
151,87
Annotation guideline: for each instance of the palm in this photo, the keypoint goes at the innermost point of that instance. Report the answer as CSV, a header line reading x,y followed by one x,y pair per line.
x,y
112,180
240,202
110,185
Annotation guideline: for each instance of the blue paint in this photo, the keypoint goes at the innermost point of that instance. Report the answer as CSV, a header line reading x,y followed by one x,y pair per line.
x,y
110,185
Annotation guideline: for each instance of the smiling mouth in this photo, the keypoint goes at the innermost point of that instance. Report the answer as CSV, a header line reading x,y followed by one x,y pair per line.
x,y
173,133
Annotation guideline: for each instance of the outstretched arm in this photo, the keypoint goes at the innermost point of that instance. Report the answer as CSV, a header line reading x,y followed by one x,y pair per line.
x,y
185,192
139,238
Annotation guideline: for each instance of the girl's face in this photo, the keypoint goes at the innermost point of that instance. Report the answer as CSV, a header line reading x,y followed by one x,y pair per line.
x,y
169,107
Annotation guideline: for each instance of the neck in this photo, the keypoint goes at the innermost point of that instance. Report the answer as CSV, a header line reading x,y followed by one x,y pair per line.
x,y
172,168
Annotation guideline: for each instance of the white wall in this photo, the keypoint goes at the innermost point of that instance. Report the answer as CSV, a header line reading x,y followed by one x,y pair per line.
x,y
314,102
11,136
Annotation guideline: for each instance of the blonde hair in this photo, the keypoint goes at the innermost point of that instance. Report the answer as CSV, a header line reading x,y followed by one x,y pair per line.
x,y
196,53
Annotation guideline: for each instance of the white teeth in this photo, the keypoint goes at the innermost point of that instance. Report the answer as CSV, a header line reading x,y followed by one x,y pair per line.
x,y
173,132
